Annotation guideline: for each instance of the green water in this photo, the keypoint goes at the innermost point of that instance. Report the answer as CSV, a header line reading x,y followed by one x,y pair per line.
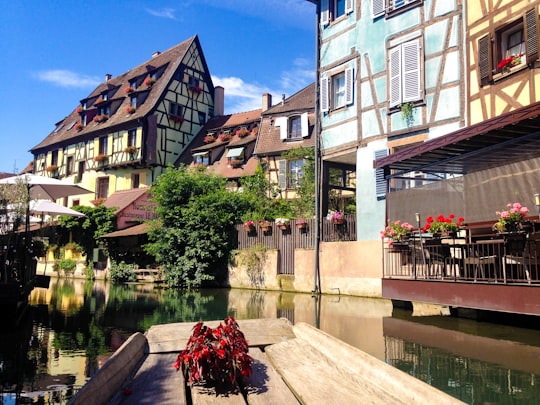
x,y
73,327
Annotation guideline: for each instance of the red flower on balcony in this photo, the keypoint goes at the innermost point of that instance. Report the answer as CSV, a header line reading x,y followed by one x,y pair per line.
x,y
176,118
102,157
149,81
79,109
101,118
78,126
130,109
209,138
129,89
196,89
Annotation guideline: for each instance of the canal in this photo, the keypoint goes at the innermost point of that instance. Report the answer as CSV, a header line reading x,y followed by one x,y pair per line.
x,y
72,327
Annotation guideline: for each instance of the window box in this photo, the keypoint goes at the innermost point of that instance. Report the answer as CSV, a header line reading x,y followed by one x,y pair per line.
x,y
224,137
101,158
130,149
78,126
99,100
235,163
176,118
209,138
129,90
130,109
195,89
51,168
98,201
241,133
79,109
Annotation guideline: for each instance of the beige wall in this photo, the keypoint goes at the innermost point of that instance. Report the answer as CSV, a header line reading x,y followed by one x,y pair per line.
x,y
349,268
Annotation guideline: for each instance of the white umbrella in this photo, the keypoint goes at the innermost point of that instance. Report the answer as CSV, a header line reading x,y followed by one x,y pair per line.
x,y
47,207
42,187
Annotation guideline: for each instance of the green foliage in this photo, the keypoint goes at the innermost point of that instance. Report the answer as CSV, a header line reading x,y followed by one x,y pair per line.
x,y
195,230
87,230
89,272
304,206
67,266
254,258
122,272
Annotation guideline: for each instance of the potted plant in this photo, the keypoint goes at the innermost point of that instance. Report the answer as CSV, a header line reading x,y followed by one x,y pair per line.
x,y
283,223
78,126
338,218
102,157
507,63
209,139
195,89
128,89
511,219
407,113
51,168
176,118
216,356
223,137
149,81
396,232
242,132
249,226
301,223
235,162
443,226
98,201
79,109
130,149
101,118
130,109
265,225
99,100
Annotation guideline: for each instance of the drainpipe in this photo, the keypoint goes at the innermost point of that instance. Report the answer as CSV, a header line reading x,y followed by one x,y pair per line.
x,y
316,270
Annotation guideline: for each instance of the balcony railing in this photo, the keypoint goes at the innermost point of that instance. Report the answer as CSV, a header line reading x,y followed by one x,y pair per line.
x,y
505,259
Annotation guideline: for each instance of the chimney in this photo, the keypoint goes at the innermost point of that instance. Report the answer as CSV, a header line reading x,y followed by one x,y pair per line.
x,y
156,53
219,101
107,77
266,101
283,99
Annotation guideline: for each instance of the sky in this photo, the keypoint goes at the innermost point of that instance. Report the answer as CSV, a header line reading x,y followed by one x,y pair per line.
x,y
54,53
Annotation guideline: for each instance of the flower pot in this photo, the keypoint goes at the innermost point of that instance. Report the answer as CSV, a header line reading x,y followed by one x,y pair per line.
x,y
338,221
266,228
398,247
249,228
283,227
512,227
301,225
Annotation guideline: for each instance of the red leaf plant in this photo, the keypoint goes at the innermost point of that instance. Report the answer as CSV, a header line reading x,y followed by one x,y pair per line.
x,y
217,356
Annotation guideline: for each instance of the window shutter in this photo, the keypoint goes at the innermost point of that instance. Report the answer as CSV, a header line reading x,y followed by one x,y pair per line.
x,y
305,124
411,71
377,8
325,12
282,175
282,122
349,6
380,181
349,89
394,63
324,94
531,35
484,68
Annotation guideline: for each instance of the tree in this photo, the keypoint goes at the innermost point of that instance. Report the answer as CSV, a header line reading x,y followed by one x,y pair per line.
x,y
304,205
195,229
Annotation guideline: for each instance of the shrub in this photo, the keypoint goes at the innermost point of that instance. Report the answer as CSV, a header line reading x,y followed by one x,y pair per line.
x,y
67,266
122,272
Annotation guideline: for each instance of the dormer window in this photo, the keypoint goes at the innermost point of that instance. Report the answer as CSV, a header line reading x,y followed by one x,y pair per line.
x,y
105,110
235,156
293,128
134,101
104,96
201,158
133,84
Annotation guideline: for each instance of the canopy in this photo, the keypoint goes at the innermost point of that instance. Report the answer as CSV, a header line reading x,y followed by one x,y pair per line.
x,y
235,152
51,208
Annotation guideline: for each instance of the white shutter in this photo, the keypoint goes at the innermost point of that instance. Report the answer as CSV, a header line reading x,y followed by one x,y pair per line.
x,y
394,67
325,12
349,86
282,122
324,94
305,124
411,71
349,6
377,8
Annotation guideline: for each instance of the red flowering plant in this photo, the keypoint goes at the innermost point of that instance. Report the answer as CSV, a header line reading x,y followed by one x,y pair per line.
x,y
506,63
149,81
216,355
442,224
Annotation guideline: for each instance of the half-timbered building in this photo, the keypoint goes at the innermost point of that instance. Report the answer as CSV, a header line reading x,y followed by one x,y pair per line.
x,y
132,126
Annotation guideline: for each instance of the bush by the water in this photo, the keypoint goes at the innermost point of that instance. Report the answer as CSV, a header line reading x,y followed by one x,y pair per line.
x,y
122,272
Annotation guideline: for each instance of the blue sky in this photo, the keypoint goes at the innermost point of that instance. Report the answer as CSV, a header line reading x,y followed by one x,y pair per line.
x,y
54,53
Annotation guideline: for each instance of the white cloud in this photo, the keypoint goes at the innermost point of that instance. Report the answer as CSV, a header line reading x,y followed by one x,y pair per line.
x,y
163,13
67,78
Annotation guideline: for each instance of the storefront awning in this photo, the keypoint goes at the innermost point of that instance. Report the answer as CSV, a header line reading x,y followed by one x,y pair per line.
x,y
506,139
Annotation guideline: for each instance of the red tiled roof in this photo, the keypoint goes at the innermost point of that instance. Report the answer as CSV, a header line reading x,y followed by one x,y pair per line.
x,y
122,199
168,61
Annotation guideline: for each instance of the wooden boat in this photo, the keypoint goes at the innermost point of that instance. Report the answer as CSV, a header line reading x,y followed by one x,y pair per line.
x,y
292,364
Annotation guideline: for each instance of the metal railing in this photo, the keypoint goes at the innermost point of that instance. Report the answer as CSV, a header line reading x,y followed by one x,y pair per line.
x,y
510,259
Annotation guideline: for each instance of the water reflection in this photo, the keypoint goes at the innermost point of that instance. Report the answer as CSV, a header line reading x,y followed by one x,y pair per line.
x,y
74,326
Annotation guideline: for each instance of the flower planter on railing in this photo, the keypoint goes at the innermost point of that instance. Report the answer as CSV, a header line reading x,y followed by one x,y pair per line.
x,y
130,109
101,158
176,118
235,163
100,118
78,126
149,81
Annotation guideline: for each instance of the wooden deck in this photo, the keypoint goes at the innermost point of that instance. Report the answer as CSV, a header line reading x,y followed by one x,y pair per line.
x,y
292,364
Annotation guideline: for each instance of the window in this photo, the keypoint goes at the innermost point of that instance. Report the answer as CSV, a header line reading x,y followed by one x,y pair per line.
x,y
102,190
104,96
201,158
134,101
290,173
133,84
54,158
69,165
293,128
104,110
103,150
337,90
132,137
333,9
135,180
508,48
404,73
380,181
388,8
175,109
80,171
235,155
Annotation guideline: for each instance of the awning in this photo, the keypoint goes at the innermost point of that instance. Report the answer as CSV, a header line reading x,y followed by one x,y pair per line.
x,y
140,229
506,139
200,154
235,152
